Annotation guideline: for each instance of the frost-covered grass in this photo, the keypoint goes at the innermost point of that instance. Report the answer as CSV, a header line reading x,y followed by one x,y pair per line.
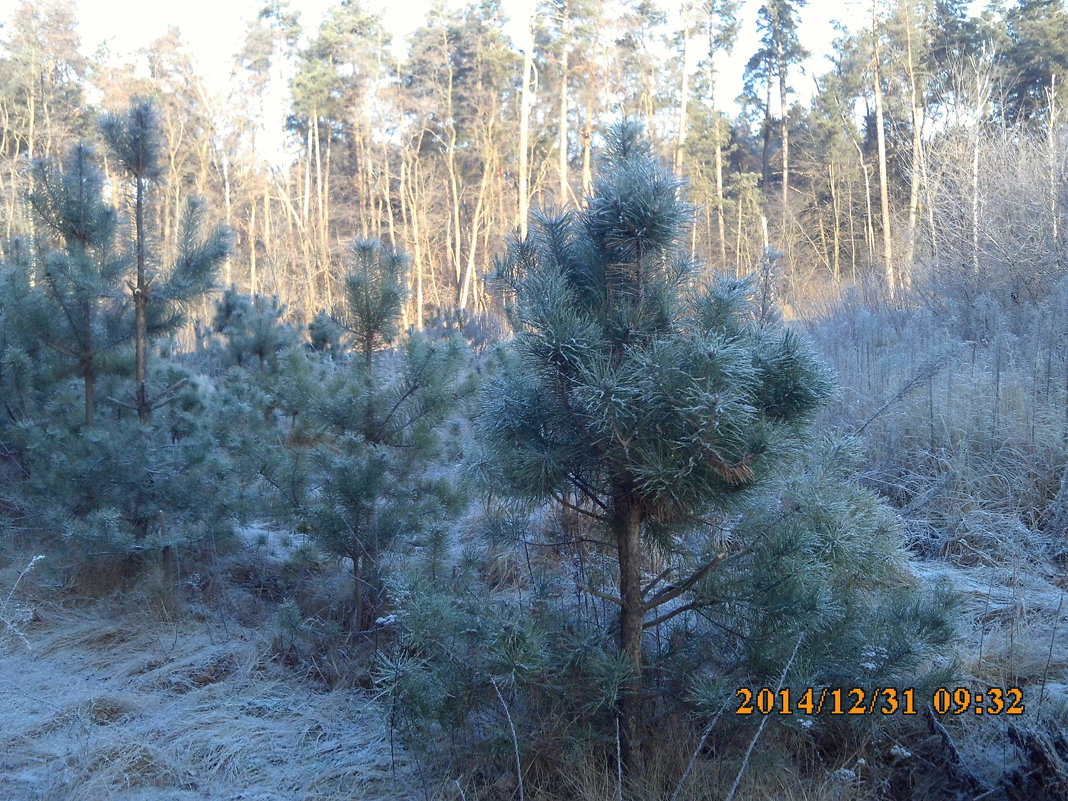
x,y
13,613
963,421
964,418
106,701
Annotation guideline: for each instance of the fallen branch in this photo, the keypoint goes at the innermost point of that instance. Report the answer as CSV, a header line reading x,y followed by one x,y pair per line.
x,y
763,722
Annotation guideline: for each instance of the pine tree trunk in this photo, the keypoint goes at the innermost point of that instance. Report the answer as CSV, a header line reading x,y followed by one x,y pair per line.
x,y
476,222
626,527
144,411
252,246
765,151
917,144
366,589
721,224
266,236
880,136
228,204
684,101
89,378
836,268
784,131
587,149
358,606
565,191
525,100
869,228
88,364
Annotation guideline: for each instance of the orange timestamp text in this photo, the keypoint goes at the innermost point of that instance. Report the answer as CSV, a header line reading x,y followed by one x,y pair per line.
x,y
878,701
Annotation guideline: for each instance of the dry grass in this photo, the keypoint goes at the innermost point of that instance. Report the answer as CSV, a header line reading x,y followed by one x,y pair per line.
x,y
776,773
101,705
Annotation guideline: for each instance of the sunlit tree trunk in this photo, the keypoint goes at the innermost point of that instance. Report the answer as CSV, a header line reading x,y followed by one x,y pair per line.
x,y
915,173
684,100
587,150
526,98
562,164
884,189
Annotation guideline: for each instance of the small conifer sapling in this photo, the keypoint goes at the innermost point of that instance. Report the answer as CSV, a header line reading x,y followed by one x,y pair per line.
x,y
632,385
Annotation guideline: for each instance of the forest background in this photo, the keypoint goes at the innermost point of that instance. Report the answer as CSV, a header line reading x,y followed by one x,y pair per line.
x,y
444,145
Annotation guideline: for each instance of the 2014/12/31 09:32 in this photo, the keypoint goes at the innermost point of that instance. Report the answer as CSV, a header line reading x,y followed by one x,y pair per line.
x,y
885,701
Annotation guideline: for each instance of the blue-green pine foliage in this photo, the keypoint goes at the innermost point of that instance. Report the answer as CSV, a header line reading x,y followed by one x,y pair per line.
x,y
630,369
356,419
634,380
88,471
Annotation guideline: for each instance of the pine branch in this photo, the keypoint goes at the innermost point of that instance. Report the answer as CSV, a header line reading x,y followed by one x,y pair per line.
x,y
657,580
122,404
673,591
412,389
568,505
562,543
602,595
587,491
664,618
168,394
58,295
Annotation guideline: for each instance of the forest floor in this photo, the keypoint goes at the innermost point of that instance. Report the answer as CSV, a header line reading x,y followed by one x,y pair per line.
x,y
104,695
108,699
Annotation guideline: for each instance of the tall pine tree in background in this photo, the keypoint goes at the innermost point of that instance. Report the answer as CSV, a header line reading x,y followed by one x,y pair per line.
x,y
649,396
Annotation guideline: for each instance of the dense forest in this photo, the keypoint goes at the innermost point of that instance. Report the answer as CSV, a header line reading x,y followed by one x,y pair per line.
x,y
891,171
540,422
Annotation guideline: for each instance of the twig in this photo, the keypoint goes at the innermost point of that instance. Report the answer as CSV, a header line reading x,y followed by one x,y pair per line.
x,y
927,370
168,394
664,618
515,740
9,624
1049,656
648,587
763,721
619,765
693,757
122,404
578,509
563,543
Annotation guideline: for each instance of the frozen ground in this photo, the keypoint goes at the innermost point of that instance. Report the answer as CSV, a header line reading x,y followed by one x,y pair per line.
x,y
97,705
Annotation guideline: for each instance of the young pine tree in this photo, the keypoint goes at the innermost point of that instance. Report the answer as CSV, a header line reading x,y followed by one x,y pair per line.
x,y
83,265
646,396
134,140
384,410
112,479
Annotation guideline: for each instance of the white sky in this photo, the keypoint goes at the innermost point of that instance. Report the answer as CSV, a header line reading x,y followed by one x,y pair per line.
x,y
214,30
